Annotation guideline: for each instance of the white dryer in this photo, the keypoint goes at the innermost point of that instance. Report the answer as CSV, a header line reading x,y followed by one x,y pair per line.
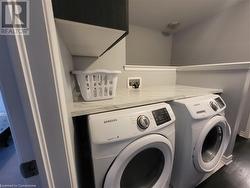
x,y
134,147
202,136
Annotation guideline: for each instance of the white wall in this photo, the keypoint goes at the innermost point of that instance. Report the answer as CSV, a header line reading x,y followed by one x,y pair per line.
x,y
145,46
149,78
219,39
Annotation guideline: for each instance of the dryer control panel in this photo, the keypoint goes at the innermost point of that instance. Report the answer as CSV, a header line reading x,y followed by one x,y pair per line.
x,y
220,102
204,106
214,105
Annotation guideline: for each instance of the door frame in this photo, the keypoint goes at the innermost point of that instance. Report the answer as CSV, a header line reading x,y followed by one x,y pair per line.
x,y
45,110
14,100
63,104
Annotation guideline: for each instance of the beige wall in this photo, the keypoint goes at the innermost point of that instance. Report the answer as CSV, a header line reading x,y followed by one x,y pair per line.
x,y
146,46
219,39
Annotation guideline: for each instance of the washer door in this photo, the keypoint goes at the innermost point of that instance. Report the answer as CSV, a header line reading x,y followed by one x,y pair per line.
x,y
211,144
146,162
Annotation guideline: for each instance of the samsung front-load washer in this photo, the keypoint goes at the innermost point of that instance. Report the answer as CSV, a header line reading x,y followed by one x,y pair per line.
x,y
202,136
133,148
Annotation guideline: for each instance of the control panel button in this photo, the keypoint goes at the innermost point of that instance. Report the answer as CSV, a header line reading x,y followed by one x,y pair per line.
x,y
213,106
143,122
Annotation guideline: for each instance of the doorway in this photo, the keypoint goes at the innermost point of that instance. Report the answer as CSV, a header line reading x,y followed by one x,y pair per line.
x,y
9,165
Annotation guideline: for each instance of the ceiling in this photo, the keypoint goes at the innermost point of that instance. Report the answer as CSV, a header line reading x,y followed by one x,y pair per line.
x,y
156,14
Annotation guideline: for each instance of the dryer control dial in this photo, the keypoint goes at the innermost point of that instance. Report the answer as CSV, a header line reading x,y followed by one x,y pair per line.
x,y
213,106
143,122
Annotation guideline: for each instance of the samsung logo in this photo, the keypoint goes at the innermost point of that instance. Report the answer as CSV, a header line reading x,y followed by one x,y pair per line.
x,y
110,120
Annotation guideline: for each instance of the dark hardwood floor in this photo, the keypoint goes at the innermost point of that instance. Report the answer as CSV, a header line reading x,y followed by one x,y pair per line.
x,y
235,175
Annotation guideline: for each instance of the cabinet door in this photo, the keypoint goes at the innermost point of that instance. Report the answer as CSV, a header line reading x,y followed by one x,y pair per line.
x,y
105,13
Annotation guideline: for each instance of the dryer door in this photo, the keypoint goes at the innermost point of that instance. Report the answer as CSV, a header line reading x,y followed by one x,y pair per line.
x,y
211,144
146,162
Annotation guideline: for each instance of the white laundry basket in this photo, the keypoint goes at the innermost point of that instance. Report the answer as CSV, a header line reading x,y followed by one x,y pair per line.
x,y
98,84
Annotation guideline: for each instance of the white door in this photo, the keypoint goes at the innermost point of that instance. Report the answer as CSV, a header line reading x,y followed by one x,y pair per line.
x,y
211,144
146,162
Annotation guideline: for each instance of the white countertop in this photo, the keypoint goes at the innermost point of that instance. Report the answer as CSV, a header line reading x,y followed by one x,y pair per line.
x,y
126,98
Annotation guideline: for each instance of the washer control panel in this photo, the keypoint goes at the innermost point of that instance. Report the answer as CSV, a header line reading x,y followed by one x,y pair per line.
x,y
143,122
161,116
130,123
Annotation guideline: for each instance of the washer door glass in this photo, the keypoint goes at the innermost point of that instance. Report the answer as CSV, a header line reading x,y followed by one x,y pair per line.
x,y
211,144
146,162
144,169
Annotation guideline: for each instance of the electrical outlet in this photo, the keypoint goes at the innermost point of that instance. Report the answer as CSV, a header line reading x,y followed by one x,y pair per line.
x,y
134,82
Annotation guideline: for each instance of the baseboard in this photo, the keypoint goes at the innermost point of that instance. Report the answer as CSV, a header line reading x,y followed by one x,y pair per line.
x,y
227,159
244,134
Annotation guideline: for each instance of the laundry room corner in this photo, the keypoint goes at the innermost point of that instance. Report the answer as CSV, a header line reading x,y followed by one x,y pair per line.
x,y
124,93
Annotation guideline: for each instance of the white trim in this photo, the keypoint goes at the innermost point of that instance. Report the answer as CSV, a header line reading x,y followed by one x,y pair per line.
x,y
244,134
227,159
96,71
58,78
219,66
148,68
204,67
25,64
